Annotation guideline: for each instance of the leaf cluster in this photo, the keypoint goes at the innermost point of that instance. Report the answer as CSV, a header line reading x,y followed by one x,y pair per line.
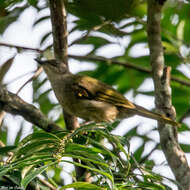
x,y
112,168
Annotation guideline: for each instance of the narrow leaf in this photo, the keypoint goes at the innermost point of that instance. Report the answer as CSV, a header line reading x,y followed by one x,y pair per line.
x,y
4,150
4,170
110,177
33,174
83,185
5,67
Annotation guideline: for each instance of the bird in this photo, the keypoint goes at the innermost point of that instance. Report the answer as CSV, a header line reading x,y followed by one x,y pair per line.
x,y
91,99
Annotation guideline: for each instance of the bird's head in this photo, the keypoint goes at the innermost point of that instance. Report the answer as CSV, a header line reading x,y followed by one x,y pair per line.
x,y
53,67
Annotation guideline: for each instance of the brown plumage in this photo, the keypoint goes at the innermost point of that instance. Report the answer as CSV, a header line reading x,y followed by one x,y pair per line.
x,y
91,99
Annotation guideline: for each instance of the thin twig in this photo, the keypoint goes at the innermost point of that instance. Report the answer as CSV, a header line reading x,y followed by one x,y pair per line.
x,y
2,144
149,154
2,115
127,65
181,81
86,35
47,184
20,47
109,61
36,74
10,154
18,77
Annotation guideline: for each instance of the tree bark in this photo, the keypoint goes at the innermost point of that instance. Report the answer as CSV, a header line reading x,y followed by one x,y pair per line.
x,y
161,75
13,104
60,33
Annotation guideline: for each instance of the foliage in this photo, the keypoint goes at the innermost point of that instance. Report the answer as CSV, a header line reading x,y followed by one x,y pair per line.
x,y
103,24
113,168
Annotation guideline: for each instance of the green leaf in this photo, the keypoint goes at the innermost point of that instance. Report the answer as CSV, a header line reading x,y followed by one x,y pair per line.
x,y
18,135
107,9
28,178
42,19
14,176
32,159
86,159
108,175
6,149
138,153
10,18
186,29
3,135
39,136
82,186
36,146
45,37
45,102
185,147
4,170
151,186
95,41
33,2
102,149
5,68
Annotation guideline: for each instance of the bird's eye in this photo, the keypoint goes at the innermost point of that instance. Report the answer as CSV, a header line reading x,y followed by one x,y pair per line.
x,y
81,92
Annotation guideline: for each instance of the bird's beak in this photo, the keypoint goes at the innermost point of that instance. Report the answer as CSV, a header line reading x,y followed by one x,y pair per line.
x,y
39,61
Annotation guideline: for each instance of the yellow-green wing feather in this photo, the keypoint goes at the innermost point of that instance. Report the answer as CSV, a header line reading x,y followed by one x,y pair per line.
x,y
104,92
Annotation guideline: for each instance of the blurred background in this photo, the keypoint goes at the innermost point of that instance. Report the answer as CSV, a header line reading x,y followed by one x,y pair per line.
x,y
104,40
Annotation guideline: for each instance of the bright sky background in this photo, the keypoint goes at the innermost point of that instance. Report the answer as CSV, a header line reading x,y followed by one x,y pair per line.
x,y
21,33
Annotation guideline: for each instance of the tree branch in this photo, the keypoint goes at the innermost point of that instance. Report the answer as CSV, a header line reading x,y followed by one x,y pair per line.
x,y
36,74
127,65
161,76
59,28
13,104
110,61
20,47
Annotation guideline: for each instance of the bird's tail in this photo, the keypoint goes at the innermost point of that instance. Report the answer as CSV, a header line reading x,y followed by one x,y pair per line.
x,y
146,113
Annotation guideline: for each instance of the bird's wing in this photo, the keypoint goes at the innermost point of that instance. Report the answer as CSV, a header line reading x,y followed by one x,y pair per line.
x,y
115,98
102,92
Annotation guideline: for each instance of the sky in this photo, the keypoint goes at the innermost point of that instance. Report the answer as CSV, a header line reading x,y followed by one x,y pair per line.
x,y
22,33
